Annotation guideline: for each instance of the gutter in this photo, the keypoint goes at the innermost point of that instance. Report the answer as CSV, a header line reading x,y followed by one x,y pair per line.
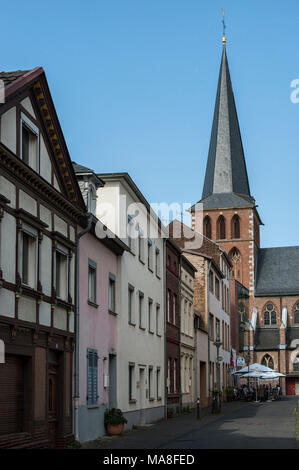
x,y
77,391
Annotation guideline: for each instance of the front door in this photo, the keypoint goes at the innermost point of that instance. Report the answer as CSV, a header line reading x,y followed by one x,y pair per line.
x,y
52,402
141,394
112,381
297,387
290,386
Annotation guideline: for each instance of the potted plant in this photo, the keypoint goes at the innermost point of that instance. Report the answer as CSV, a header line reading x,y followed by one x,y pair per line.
x,y
114,421
229,393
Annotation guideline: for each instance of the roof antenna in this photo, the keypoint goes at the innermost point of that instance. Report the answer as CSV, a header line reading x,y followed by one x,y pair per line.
x,y
224,26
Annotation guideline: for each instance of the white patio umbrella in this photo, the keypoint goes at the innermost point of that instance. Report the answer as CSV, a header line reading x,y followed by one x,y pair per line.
x,y
271,375
254,374
253,368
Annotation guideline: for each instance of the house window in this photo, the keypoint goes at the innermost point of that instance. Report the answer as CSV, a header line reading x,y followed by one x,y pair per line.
x,y
150,382
175,363
157,262
221,229
111,294
92,199
140,245
92,281
169,381
207,227
29,143
211,327
217,288
92,377
29,259
211,282
61,274
168,305
158,328
158,380
174,308
270,316
296,315
217,328
131,381
150,316
130,304
141,296
149,254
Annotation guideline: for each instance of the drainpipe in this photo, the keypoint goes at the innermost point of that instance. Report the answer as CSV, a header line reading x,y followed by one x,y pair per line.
x,y
165,327
77,391
209,325
180,346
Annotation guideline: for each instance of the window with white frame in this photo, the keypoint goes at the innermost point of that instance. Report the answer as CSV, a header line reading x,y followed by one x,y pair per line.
x,y
150,316
92,377
29,249
158,320
92,281
150,382
158,382
92,199
29,143
111,293
129,232
149,254
131,318
141,298
61,271
174,309
157,253
131,381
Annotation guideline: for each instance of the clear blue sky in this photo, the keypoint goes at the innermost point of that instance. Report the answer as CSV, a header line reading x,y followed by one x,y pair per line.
x,y
134,84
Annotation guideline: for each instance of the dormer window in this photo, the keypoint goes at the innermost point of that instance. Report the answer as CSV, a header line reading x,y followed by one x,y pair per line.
x,y
92,200
29,143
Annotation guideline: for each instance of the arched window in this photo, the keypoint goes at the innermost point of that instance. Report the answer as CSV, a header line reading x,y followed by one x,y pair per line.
x,y
235,257
207,227
296,364
270,315
221,229
268,361
296,314
236,227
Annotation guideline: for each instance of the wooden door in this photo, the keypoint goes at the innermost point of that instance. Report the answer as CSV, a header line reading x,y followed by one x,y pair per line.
x,y
290,386
52,402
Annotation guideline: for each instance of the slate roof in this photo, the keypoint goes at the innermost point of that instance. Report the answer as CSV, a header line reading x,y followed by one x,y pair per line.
x,y
9,77
267,338
223,200
81,169
277,271
226,167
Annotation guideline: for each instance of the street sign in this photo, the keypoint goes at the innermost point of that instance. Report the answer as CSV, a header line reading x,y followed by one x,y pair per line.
x,y
219,358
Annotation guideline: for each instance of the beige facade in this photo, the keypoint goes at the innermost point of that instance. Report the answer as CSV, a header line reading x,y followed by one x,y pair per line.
x,y
188,359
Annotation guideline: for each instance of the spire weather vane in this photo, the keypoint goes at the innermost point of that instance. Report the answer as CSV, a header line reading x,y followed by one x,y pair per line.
x,y
224,26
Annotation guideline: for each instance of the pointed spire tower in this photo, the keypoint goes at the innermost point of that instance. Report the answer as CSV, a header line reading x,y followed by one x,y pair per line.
x,y
226,176
229,215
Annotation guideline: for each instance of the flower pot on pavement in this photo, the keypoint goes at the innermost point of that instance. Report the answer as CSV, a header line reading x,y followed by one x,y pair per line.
x,y
115,429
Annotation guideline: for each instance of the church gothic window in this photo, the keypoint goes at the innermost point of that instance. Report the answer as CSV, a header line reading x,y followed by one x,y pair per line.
x,y
235,257
207,227
221,228
270,315
296,315
236,227
268,361
296,364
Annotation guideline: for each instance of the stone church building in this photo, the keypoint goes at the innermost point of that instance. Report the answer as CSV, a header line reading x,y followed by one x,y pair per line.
x,y
269,313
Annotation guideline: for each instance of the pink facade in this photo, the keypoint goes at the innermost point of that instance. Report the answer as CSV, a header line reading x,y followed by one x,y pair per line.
x,y
97,335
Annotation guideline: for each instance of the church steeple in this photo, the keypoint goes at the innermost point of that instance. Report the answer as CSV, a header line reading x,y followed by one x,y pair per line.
x,y
226,171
